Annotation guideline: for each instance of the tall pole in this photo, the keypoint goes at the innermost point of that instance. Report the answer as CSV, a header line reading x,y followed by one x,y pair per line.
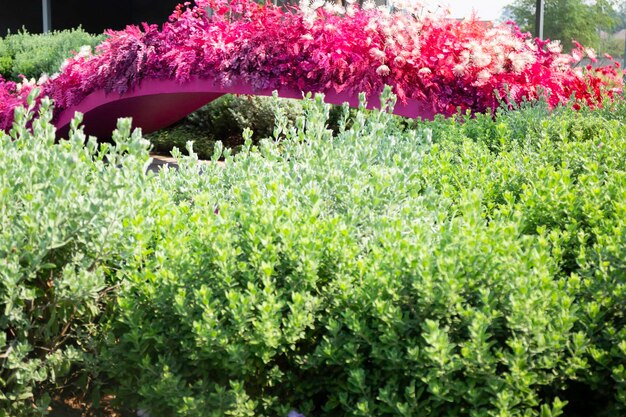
x,y
539,19
46,8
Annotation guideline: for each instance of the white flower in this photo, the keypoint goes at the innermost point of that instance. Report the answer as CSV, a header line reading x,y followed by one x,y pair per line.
x,y
339,9
334,8
84,51
555,47
492,32
530,44
424,70
481,59
308,20
590,53
377,53
44,78
519,61
64,65
307,37
383,9
483,76
458,70
472,45
497,68
369,5
562,61
382,70
399,61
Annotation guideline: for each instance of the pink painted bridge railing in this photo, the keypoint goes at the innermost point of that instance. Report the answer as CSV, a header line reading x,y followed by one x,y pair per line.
x,y
434,64
155,104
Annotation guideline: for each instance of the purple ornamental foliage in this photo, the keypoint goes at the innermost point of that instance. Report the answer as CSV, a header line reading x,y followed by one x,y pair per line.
x,y
423,56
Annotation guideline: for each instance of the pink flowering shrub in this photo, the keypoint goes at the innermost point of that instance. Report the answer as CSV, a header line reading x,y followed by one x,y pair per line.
x,y
12,95
315,47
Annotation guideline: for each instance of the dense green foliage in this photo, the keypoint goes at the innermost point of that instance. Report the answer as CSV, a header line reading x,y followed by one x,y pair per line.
x,y
445,269
32,55
225,119
455,269
567,20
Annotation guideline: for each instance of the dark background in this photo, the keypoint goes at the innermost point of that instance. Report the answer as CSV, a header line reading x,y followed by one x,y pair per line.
x,y
93,15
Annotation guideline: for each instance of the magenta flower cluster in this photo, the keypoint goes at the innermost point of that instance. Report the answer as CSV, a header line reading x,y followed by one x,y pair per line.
x,y
421,54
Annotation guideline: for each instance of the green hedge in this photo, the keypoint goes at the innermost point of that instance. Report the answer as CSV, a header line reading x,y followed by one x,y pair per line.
x,y
32,55
446,269
451,270
69,219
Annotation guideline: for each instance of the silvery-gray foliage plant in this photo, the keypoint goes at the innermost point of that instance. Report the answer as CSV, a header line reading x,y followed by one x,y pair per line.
x,y
69,215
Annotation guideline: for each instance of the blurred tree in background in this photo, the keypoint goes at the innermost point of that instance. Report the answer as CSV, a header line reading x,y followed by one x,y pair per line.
x,y
613,43
568,20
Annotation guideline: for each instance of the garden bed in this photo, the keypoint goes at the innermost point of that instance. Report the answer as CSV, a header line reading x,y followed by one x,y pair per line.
x,y
467,266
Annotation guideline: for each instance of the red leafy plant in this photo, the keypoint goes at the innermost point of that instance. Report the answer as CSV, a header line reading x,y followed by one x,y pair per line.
x,y
12,95
422,54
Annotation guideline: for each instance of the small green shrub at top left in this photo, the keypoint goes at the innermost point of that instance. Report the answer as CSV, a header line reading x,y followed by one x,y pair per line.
x,y
32,55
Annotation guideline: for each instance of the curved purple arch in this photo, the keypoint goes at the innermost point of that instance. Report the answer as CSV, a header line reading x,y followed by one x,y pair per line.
x,y
154,104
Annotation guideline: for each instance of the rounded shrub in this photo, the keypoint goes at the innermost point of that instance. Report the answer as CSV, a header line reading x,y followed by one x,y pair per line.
x,y
383,272
224,120
444,269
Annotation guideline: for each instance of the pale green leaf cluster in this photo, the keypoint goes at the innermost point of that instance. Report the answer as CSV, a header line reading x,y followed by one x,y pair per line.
x,y
69,218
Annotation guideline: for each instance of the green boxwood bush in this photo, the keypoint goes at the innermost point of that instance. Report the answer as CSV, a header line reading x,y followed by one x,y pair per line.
x,y
32,55
449,270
